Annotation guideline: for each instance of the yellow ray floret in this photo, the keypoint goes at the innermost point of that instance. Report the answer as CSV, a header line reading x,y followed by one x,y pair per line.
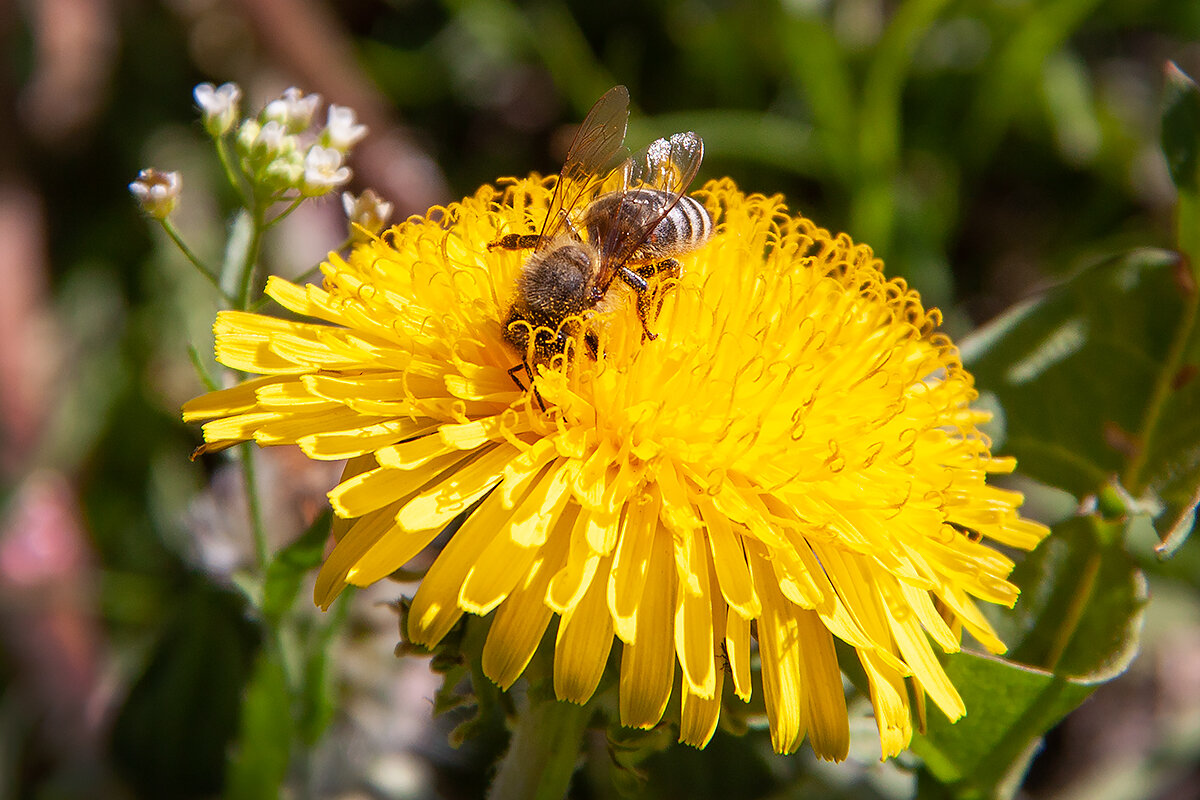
x,y
793,460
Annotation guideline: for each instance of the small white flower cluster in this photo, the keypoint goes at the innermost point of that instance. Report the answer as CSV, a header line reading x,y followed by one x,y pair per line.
x,y
279,151
278,156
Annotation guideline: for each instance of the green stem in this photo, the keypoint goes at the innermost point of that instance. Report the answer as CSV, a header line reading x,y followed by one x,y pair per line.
x,y
302,278
192,257
543,753
283,214
261,553
231,174
250,265
201,369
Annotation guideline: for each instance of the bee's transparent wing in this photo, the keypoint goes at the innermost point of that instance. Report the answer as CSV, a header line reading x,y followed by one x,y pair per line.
x,y
590,159
668,165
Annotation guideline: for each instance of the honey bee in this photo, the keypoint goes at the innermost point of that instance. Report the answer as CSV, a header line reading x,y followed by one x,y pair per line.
x,y
608,220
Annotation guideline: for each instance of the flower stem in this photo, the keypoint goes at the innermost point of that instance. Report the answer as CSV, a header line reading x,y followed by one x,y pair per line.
x,y
231,174
201,370
543,753
282,215
261,553
250,265
192,257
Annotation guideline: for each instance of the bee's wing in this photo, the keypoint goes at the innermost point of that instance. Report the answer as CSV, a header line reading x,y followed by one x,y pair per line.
x,y
668,165
589,160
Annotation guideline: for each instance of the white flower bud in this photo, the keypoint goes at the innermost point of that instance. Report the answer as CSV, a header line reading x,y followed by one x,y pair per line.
x,y
157,192
285,172
323,170
341,131
218,106
294,110
368,211
247,135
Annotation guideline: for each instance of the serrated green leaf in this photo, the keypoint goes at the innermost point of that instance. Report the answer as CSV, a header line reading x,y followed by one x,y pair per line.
x,y
1181,128
1089,379
260,759
287,569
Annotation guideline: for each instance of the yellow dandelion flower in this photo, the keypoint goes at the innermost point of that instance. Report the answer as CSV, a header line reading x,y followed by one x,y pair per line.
x,y
794,459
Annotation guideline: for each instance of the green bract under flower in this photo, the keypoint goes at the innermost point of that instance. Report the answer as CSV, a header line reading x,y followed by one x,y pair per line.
x,y
796,451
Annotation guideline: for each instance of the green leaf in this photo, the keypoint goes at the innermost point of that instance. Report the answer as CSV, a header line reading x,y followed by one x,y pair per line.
x,y
1181,128
1008,708
1094,381
1078,622
317,696
1081,606
1177,479
1172,457
260,759
317,705
287,570
171,735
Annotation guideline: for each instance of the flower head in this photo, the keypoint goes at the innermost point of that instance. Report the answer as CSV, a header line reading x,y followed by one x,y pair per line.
x,y
796,452
341,129
157,192
218,106
323,171
273,139
294,110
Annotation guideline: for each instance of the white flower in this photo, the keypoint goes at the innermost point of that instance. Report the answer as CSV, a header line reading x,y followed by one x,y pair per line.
x,y
368,211
294,111
273,138
157,192
341,131
323,170
218,106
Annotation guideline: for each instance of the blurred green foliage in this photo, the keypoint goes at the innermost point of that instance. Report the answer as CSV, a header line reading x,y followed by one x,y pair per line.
x,y
985,149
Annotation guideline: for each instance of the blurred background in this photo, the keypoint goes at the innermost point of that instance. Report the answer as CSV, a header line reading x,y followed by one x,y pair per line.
x,y
984,148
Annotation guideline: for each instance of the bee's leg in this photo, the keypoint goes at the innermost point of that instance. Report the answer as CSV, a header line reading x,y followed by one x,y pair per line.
x,y
637,282
593,344
515,370
515,241
524,367
634,279
668,267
